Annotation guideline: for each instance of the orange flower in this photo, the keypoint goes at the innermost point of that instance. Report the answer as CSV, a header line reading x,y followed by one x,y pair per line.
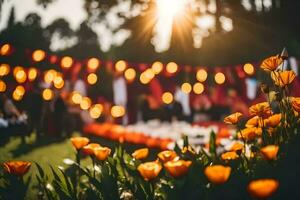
x,y
167,155
273,120
270,152
89,149
231,155
283,78
149,170
260,109
177,168
188,149
233,118
18,168
79,142
271,63
217,174
262,188
102,153
296,103
254,122
249,133
237,146
140,153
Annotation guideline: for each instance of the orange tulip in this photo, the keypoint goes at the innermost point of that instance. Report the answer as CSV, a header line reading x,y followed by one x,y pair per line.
x,y
237,146
140,153
271,63
217,174
270,152
261,109
231,155
249,133
18,168
273,120
296,103
233,118
177,168
89,149
102,153
254,122
283,78
149,170
262,188
79,142
167,155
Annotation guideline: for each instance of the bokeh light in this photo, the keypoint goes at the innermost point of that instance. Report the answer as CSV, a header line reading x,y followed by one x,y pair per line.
x,y
4,69
20,90
130,74
198,88
147,76
16,96
38,55
92,78
48,94
93,63
186,88
32,74
50,75
172,67
2,86
95,111
220,78
66,62
120,66
117,111
201,75
249,69
167,97
58,82
85,103
157,67
5,49
76,97
19,74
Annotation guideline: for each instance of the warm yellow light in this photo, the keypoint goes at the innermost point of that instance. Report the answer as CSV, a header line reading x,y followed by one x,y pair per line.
x,y
157,67
58,82
149,73
38,55
16,69
76,97
186,88
5,49
48,94
92,78
66,62
96,111
20,90
50,75
206,22
249,69
198,88
117,111
120,66
220,78
32,74
16,96
171,67
144,79
201,75
20,76
85,103
167,97
130,74
93,63
2,86
4,69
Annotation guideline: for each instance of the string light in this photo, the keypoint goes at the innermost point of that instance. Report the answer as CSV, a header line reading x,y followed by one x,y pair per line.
x,y
4,69
48,94
117,111
186,88
16,96
50,76
76,97
157,67
92,78
220,78
5,50
32,74
172,67
85,103
198,88
66,62
38,55
120,66
167,97
58,82
95,111
249,69
2,86
201,75
20,90
20,74
93,63
130,74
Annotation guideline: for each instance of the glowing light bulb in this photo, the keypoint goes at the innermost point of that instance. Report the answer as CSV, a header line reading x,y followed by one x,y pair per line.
x,y
48,94
249,69
220,78
85,103
117,111
38,55
186,88
76,97
95,111
32,74
157,67
198,88
66,62
92,78
5,49
172,67
2,86
120,66
93,63
201,75
4,69
167,97
130,74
